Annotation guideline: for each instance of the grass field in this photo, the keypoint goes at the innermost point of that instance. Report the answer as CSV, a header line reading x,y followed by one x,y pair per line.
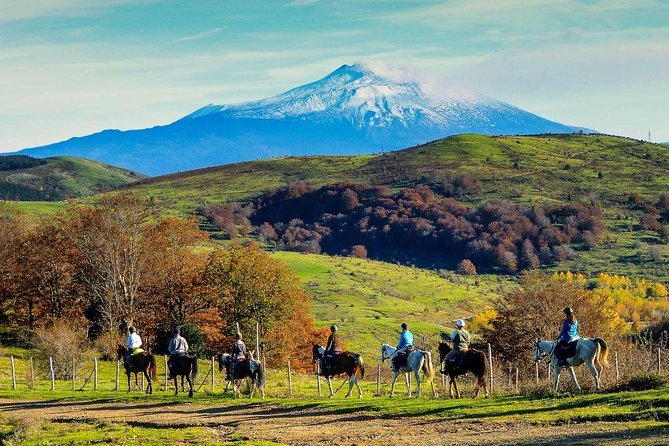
x,y
368,300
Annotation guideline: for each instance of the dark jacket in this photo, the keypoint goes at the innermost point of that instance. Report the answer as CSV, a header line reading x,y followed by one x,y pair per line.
x,y
238,351
334,343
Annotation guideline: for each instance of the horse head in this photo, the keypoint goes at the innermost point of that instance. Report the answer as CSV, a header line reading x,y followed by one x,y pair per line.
x,y
223,361
386,352
317,352
444,349
539,350
121,351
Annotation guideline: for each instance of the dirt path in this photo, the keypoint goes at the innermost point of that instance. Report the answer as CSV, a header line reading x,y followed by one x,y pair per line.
x,y
311,426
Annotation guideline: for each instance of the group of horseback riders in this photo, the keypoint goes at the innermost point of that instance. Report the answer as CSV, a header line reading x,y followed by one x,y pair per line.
x,y
178,348
460,340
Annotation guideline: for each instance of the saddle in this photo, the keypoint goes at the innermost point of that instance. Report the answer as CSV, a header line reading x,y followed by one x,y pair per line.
x,y
456,361
564,351
401,358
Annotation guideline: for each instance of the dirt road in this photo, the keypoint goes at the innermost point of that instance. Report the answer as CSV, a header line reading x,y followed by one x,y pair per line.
x,y
311,426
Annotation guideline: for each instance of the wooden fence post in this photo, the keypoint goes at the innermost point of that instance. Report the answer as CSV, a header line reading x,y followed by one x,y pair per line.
x,y
142,383
165,374
53,378
118,374
290,380
213,378
510,384
95,373
74,374
32,374
492,376
549,372
659,361
258,340
617,369
11,360
318,376
517,380
443,380
536,372
378,380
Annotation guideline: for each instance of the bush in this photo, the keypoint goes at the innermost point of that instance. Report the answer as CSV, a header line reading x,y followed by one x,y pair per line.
x,y
467,268
63,341
649,381
107,345
193,335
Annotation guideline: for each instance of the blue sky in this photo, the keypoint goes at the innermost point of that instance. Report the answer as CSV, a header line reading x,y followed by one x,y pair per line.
x,y
73,67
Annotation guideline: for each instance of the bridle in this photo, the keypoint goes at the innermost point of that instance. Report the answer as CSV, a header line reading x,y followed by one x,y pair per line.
x,y
543,354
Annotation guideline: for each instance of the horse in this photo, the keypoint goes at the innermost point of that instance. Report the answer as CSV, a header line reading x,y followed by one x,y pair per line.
x,y
474,361
347,363
186,367
141,363
417,360
249,368
592,352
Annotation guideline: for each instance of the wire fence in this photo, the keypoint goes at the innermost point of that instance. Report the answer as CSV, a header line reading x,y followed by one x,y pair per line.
x,y
27,373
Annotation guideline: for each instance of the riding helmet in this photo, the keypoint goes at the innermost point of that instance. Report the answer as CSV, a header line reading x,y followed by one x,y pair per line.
x,y
404,326
131,329
460,323
568,311
333,328
177,331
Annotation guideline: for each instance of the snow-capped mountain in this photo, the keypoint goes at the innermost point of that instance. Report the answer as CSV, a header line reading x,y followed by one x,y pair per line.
x,y
352,110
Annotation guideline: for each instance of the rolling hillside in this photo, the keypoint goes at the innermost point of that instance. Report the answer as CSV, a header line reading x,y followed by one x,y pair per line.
x,y
522,169
28,179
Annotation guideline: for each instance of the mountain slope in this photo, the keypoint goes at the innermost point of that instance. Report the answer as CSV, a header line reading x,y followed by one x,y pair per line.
x,y
351,111
58,178
524,169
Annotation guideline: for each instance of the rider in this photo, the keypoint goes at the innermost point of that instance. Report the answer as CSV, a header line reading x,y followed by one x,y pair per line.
x,y
177,347
134,343
238,354
568,334
406,341
332,348
460,338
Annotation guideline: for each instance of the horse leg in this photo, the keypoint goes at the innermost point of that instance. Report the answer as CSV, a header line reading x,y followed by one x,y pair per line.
x,y
128,373
392,384
419,390
450,386
176,386
149,387
573,377
350,386
253,387
357,384
190,386
556,378
593,370
457,391
329,380
408,384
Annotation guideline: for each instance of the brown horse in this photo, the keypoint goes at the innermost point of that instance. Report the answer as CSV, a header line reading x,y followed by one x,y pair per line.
x,y
141,363
347,363
474,361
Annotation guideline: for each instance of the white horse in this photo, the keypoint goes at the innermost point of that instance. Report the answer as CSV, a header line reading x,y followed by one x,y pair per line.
x,y
591,352
417,360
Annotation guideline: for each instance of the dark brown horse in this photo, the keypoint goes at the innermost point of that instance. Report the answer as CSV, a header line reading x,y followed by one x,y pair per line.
x,y
474,361
141,363
247,368
347,363
184,366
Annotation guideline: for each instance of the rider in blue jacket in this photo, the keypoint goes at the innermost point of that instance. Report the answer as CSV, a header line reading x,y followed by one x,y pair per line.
x,y
406,341
569,333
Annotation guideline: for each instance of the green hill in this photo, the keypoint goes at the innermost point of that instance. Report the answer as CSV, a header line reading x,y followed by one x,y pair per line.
x,y
30,179
526,169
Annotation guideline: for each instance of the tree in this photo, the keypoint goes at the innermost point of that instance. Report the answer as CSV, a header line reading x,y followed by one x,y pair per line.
x,y
359,251
467,268
111,237
248,286
528,256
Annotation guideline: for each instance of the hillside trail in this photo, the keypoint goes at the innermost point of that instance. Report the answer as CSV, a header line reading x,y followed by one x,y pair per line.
x,y
307,426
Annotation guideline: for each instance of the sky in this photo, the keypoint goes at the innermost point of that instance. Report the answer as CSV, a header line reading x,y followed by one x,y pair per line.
x,y
75,67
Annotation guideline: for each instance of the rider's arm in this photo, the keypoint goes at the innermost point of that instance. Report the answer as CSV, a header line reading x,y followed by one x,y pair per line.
x,y
185,344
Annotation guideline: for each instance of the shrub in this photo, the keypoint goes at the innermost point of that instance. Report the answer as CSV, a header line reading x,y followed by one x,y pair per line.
x,y
467,268
359,251
649,381
63,341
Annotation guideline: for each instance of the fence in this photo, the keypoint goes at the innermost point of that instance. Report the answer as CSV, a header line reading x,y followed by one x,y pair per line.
x,y
28,373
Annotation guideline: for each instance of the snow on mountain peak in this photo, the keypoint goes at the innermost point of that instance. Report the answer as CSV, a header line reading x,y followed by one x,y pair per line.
x,y
357,94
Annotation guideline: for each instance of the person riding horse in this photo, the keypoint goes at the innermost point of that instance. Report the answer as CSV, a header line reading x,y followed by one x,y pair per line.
x,y
177,347
460,339
404,345
332,349
238,355
134,344
568,337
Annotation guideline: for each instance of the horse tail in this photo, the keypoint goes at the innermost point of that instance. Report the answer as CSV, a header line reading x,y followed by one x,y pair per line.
x,y
359,365
196,369
429,370
604,351
152,366
261,376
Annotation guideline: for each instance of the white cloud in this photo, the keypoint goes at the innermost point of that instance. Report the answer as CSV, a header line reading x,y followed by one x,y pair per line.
x,y
201,35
